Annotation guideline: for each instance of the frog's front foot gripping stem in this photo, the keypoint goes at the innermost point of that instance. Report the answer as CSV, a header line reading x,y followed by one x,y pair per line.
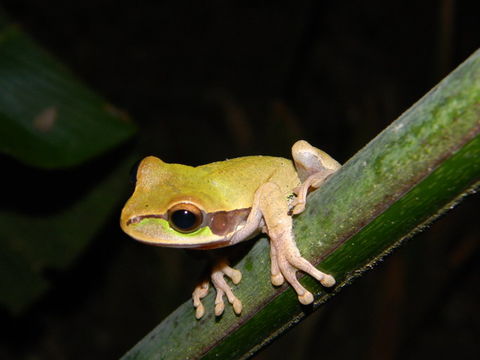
x,y
217,276
285,265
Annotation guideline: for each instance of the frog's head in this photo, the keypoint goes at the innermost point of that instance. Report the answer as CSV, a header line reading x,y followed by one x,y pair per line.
x,y
175,206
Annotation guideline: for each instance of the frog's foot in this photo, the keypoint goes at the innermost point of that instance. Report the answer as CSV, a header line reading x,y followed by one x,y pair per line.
x,y
285,256
297,206
286,263
222,288
313,182
217,276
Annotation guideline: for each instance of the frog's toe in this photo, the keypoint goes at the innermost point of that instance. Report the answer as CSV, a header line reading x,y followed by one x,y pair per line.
x,y
219,307
328,280
201,290
277,279
233,274
299,208
199,311
296,207
237,306
306,298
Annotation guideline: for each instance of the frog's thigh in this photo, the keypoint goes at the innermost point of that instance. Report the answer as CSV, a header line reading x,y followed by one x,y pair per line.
x,y
285,255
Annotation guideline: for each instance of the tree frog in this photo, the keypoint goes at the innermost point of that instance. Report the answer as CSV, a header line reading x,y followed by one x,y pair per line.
x,y
226,202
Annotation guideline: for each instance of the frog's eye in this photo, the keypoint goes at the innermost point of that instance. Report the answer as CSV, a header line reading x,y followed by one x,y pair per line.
x,y
185,217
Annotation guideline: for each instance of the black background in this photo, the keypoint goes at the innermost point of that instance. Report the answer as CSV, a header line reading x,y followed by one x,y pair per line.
x,y
212,80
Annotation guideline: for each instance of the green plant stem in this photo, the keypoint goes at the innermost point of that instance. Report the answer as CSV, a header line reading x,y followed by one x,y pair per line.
x,y
416,169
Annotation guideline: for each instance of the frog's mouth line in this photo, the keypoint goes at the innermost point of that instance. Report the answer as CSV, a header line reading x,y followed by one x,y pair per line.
x,y
220,222
137,219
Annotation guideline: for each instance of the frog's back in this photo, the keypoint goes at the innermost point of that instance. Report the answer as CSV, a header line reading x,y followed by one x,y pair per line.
x,y
238,179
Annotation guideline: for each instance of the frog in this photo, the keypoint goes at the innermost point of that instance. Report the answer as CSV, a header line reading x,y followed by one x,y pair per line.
x,y
224,203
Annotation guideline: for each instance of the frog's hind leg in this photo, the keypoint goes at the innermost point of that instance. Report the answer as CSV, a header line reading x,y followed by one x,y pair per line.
x,y
313,182
285,256
313,166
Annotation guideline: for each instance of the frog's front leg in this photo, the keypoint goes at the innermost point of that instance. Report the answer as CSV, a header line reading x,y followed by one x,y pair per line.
x,y
285,256
220,269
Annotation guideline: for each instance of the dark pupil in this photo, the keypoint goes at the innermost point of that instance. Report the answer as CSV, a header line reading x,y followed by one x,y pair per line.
x,y
184,219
